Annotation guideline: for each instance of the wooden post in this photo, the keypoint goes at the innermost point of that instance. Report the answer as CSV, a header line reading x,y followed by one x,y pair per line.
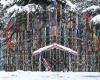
x,y
40,62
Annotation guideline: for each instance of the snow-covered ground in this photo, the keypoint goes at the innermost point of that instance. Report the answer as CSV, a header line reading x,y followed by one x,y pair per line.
x,y
28,75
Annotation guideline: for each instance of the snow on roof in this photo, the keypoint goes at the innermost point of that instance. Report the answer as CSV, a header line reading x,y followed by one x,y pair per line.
x,y
52,46
91,8
43,49
6,2
69,3
14,8
18,9
72,7
29,7
96,19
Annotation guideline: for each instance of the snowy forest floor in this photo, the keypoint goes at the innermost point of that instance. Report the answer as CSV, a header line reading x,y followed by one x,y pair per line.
x,y
28,75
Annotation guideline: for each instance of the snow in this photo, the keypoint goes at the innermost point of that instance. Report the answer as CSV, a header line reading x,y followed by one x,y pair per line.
x,y
28,75
96,19
29,7
6,2
89,0
52,46
43,49
65,48
91,8
18,9
14,8
73,7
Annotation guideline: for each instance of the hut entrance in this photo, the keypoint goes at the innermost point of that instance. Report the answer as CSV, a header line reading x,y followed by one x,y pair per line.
x,y
56,57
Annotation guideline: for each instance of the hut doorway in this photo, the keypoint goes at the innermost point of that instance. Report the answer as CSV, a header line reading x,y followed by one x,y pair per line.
x,y
56,57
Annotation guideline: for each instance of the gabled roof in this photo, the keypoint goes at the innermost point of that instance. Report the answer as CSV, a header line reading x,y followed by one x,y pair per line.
x,y
52,46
